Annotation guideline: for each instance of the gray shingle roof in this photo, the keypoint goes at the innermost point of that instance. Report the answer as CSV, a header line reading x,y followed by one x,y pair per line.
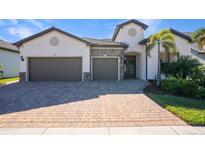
x,y
188,33
185,35
88,41
8,46
105,42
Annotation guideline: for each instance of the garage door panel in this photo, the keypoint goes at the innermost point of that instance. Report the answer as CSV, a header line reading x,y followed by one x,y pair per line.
x,y
55,69
105,68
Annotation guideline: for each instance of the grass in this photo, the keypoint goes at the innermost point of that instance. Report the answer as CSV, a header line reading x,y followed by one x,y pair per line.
x,y
192,111
4,81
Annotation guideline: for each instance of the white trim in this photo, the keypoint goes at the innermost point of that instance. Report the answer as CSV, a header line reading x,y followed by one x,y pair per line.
x,y
27,73
105,57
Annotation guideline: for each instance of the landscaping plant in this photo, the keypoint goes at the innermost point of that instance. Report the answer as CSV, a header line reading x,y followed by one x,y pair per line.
x,y
199,37
180,87
164,39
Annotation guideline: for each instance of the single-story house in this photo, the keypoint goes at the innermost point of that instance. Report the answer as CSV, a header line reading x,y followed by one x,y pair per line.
x,y
56,55
9,59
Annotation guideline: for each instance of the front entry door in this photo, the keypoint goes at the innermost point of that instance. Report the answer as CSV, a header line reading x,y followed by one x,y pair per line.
x,y
130,67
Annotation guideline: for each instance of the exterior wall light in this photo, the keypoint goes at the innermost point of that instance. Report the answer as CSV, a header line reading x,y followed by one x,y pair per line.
x,y
22,59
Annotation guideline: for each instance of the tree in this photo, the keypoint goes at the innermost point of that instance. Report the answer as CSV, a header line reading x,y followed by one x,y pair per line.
x,y
164,39
199,37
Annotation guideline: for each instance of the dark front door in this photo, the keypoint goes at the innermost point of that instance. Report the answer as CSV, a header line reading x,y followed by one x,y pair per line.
x,y
130,67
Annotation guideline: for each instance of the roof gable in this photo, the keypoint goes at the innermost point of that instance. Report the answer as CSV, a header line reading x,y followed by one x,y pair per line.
x,y
118,27
19,43
8,46
175,32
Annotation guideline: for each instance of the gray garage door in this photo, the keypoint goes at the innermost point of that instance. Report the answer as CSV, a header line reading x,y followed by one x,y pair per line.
x,y
105,68
55,69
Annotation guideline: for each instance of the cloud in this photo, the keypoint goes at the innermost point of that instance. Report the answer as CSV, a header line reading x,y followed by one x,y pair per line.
x,y
153,25
20,32
36,23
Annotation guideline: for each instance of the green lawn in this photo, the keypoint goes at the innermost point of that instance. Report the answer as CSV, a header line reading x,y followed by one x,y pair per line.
x,y
190,110
4,81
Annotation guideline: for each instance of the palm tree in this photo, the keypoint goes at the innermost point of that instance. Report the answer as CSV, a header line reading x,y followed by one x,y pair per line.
x,y
199,37
164,39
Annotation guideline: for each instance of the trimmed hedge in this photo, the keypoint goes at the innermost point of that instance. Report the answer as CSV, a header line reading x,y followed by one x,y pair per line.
x,y
201,93
180,86
171,85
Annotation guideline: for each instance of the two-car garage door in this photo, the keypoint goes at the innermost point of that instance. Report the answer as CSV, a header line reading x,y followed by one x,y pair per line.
x,y
55,69
70,69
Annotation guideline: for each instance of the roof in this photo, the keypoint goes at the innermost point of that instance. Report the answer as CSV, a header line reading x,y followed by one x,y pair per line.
x,y
105,43
88,41
8,46
188,33
118,27
197,51
185,35
19,43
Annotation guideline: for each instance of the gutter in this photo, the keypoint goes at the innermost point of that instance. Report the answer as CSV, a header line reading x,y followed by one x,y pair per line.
x,y
10,50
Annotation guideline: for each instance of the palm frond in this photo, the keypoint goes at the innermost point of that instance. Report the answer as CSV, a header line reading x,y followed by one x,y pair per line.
x,y
168,36
170,44
197,34
165,31
201,40
153,38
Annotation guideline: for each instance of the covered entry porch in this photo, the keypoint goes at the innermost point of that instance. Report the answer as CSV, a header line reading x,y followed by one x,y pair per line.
x,y
132,65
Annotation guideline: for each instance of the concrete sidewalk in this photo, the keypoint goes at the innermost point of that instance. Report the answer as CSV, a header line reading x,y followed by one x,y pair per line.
x,y
159,130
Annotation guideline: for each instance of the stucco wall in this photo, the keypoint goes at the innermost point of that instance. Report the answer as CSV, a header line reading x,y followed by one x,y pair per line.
x,y
67,47
134,47
132,41
10,61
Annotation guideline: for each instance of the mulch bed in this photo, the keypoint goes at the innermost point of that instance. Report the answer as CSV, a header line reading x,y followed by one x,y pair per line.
x,y
153,88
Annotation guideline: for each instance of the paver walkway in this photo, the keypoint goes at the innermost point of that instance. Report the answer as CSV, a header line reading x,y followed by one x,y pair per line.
x,y
92,104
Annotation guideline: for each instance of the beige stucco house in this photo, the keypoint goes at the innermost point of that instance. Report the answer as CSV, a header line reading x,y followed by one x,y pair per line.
x,y
56,55
9,59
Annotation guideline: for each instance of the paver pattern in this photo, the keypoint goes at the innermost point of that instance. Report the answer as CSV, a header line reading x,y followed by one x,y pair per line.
x,y
76,104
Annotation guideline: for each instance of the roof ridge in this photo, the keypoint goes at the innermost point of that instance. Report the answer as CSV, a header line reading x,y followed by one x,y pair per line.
x,y
18,43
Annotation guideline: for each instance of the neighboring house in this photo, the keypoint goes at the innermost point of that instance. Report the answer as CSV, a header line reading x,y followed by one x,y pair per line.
x,y
56,55
9,59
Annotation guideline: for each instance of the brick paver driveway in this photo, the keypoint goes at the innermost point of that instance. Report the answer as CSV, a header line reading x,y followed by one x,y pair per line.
x,y
92,104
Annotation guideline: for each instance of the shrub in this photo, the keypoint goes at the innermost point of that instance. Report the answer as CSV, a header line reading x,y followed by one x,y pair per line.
x,y
201,93
171,85
180,86
189,87
185,67
202,82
